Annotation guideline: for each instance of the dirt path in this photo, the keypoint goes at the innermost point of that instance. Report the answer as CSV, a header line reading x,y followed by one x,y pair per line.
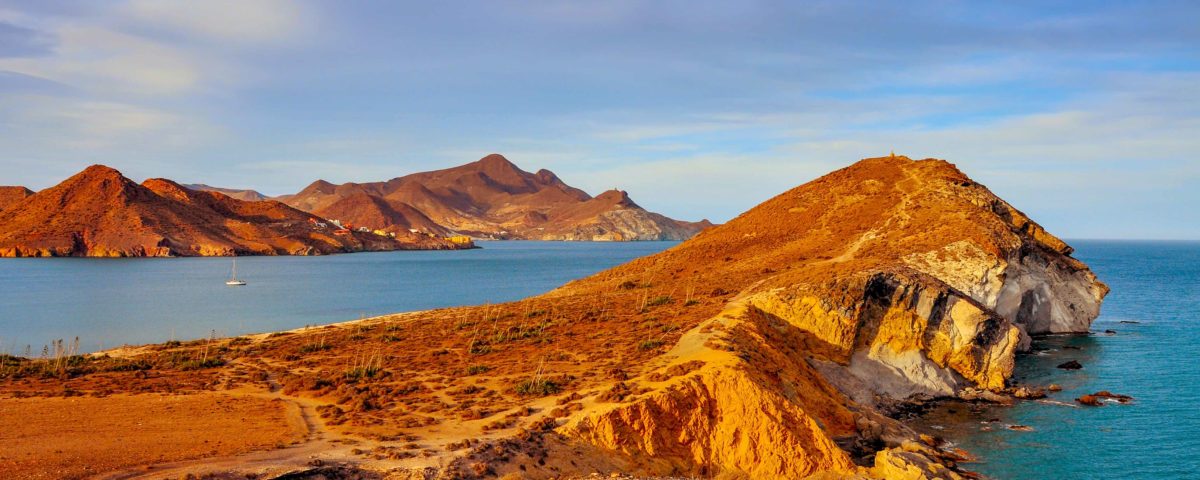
x,y
320,443
899,214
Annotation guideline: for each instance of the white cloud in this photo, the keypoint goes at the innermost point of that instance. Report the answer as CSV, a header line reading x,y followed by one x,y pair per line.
x,y
236,21
101,60
50,124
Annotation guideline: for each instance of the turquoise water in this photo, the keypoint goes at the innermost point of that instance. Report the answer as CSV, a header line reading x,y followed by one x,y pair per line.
x,y
1157,436
110,302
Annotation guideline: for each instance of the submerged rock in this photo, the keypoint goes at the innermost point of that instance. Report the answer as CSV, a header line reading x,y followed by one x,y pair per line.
x,y
1090,400
1027,393
1070,365
1115,396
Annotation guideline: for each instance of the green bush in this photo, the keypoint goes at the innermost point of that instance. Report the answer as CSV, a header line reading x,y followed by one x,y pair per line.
x,y
660,300
477,369
539,388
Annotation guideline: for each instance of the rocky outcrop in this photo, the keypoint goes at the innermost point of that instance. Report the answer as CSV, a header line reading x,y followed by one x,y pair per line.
x,y
493,198
100,213
731,414
738,396
884,281
235,193
10,196
1038,288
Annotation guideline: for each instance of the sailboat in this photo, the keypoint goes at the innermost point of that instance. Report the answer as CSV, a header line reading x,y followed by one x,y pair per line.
x,y
233,280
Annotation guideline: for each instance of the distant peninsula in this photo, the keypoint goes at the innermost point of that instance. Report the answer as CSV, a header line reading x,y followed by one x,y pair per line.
x,y
101,213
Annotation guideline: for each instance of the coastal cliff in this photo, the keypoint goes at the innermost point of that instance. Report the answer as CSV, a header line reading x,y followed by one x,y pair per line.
x,y
773,346
889,279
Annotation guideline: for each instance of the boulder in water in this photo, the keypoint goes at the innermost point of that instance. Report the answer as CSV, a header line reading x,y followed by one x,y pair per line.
x,y
1027,393
1090,400
1070,365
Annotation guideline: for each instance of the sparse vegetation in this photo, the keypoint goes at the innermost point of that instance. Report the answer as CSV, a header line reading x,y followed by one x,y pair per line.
x,y
317,346
477,369
650,344
659,300
201,364
538,385
479,347
364,368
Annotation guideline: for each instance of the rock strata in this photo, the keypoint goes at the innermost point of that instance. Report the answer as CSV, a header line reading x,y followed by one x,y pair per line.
x,y
888,280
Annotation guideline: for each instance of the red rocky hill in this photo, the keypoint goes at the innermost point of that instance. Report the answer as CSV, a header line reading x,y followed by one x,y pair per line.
x,y
100,213
492,197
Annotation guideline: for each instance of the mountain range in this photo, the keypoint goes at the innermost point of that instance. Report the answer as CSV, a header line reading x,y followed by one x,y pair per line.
x,y
490,198
101,213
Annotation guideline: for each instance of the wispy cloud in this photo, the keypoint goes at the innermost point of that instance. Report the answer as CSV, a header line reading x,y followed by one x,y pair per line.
x,y
232,21
1082,114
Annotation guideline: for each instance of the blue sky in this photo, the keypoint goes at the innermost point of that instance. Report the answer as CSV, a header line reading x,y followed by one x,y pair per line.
x,y
1085,115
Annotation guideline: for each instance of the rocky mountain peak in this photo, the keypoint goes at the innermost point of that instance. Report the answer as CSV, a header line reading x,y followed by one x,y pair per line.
x,y
617,198
12,195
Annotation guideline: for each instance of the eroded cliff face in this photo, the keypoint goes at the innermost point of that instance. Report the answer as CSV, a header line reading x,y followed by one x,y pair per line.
x,y
1041,290
898,279
738,397
905,336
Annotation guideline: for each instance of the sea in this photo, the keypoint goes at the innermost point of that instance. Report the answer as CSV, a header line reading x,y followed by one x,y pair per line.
x,y
110,302
1151,350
